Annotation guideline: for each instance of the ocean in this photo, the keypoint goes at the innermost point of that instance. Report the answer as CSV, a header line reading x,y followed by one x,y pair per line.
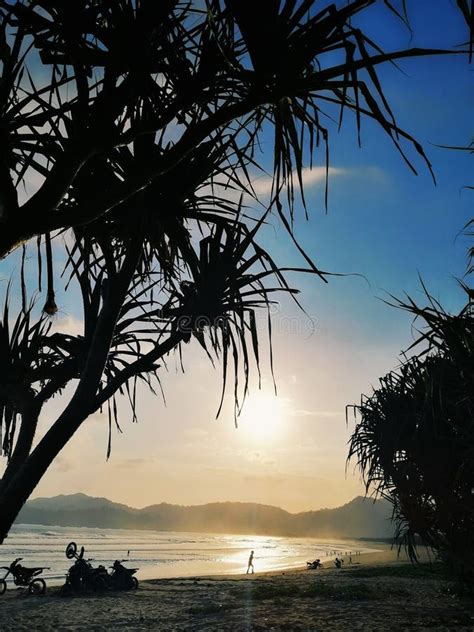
x,y
160,554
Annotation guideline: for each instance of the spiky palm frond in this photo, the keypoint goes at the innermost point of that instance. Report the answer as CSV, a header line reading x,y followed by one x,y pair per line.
x,y
467,9
414,438
291,63
22,360
151,83
215,301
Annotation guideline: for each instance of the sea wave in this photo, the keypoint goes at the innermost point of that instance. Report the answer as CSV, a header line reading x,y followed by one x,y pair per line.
x,y
164,554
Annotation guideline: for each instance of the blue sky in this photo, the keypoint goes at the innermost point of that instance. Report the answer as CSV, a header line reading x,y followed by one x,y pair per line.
x,y
384,223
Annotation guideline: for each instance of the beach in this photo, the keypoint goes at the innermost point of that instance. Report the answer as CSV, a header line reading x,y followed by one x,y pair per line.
x,y
379,592
167,554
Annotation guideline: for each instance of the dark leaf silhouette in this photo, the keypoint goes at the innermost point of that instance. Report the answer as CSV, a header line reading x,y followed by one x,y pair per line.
x,y
130,135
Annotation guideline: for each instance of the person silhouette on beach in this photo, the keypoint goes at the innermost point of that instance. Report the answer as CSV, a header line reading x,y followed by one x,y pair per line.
x,y
250,564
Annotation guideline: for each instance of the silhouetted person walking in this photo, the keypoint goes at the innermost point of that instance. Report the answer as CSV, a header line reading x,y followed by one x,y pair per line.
x,y
250,565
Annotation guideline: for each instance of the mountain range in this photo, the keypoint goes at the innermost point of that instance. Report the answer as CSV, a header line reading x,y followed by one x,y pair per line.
x,y
360,518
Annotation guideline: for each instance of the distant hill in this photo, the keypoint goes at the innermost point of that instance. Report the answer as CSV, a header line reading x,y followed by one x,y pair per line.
x,y
360,518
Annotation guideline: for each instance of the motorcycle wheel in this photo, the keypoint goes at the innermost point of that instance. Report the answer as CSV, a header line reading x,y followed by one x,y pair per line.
x,y
3,586
37,587
134,583
71,550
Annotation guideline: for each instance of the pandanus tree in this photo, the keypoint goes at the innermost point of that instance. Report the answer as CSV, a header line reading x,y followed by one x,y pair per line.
x,y
139,121
414,440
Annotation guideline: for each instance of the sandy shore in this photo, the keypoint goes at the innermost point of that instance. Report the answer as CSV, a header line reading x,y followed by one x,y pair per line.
x,y
380,592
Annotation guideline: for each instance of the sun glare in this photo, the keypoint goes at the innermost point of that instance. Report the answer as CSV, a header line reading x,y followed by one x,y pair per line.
x,y
263,416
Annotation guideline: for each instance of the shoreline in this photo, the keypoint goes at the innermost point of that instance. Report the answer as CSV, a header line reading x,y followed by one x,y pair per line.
x,y
174,555
381,592
383,553
372,558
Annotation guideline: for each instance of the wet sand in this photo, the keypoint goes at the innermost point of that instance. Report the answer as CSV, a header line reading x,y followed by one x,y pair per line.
x,y
378,592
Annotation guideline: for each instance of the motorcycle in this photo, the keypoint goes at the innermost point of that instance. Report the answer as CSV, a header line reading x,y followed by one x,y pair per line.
x,y
23,576
122,578
82,575
314,565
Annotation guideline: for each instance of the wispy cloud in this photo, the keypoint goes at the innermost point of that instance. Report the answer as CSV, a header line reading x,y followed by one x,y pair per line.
x,y
69,325
310,177
316,413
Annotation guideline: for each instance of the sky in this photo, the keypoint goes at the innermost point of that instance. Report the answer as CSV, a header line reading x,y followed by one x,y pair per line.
x,y
385,227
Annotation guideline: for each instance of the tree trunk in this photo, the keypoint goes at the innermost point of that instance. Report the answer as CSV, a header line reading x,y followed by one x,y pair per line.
x,y
14,495
24,443
23,482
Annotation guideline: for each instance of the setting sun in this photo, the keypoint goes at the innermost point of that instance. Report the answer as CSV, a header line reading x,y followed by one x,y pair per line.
x,y
263,416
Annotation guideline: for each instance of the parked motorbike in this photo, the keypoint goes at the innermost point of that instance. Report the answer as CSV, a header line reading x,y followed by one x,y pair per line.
x,y
314,565
122,578
82,575
23,576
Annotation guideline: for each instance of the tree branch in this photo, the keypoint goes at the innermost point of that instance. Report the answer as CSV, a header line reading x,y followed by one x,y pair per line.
x,y
142,365
33,220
